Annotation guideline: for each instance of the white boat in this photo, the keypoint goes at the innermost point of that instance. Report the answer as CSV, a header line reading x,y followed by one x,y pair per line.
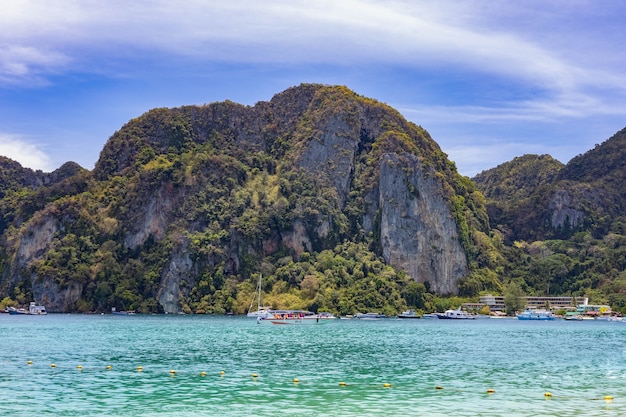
x,y
457,314
36,310
261,311
33,309
409,314
370,316
17,311
296,317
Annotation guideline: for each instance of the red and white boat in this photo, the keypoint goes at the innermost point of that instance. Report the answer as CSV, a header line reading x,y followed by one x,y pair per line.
x,y
296,317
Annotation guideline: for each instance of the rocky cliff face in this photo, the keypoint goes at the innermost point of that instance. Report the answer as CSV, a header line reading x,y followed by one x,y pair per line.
x,y
563,214
418,233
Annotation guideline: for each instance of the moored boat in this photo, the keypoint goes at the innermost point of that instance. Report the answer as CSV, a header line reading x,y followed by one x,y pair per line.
x,y
261,311
36,309
33,309
16,311
296,317
122,312
535,315
457,314
370,316
409,314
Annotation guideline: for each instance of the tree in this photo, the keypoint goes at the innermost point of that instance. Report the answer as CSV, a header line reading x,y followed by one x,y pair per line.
x,y
513,298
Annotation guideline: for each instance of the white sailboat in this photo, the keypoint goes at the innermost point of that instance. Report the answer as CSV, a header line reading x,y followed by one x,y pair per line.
x,y
261,312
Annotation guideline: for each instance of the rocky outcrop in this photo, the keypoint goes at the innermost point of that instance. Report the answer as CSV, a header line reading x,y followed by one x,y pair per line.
x,y
177,279
298,240
151,218
332,153
36,239
418,233
562,211
46,291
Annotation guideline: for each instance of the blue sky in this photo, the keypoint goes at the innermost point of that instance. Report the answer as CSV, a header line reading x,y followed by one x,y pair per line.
x,y
490,79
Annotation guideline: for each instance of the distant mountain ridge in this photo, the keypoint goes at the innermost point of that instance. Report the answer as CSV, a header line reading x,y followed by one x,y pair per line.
x,y
537,197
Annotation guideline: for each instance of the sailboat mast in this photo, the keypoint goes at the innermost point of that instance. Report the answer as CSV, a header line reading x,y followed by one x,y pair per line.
x,y
259,297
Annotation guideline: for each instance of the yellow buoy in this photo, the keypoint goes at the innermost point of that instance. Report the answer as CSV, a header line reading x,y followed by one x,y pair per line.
x,y
79,367
254,375
172,371
547,394
52,365
202,373
29,362
140,368
296,380
386,385
222,372
342,384
438,387
491,391
109,367
608,397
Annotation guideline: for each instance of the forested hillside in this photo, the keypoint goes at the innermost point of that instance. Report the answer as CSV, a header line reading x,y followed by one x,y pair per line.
x,y
565,224
335,198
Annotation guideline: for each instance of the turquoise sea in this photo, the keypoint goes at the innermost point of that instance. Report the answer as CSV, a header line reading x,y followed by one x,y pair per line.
x,y
390,367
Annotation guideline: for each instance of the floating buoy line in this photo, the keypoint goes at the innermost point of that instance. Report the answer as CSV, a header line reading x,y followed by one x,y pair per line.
x,y
255,377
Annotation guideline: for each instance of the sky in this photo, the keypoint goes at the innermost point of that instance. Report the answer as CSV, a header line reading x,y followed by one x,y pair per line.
x,y
488,79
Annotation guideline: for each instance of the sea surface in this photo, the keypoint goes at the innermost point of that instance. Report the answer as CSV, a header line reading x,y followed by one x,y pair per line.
x,y
232,366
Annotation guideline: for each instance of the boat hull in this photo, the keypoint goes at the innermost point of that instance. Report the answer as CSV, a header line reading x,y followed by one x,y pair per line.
x,y
536,318
298,322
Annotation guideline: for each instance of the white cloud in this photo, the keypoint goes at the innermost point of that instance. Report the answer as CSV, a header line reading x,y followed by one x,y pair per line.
x,y
565,57
442,33
28,154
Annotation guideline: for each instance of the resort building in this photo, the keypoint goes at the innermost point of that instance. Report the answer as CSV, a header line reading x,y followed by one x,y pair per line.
x,y
496,302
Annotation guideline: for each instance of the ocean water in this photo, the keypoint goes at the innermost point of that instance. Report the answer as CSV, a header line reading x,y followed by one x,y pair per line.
x,y
389,367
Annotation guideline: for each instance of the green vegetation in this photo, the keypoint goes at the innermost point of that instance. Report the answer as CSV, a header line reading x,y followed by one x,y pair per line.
x,y
207,197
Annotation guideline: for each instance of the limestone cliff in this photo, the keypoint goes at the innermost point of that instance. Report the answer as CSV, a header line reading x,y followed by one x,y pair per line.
x,y
418,233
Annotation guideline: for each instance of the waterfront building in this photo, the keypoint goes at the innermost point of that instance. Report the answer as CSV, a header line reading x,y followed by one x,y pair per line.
x,y
496,302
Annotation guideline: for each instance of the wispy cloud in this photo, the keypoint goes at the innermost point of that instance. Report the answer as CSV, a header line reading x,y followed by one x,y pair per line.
x,y
544,109
423,34
493,61
27,153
